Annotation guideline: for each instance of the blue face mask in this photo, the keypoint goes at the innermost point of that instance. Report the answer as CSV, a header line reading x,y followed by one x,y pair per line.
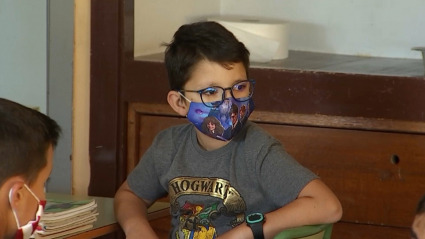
x,y
222,122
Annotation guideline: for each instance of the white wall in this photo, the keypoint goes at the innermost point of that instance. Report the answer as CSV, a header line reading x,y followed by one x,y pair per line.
x,y
156,21
388,28
23,52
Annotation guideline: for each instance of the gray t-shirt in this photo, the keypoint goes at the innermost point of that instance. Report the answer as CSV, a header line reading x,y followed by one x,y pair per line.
x,y
212,191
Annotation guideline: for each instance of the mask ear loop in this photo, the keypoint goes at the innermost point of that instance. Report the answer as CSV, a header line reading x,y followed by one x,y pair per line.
x,y
185,99
13,210
33,194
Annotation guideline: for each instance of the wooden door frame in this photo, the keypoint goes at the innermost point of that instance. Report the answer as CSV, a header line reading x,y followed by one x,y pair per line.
x,y
106,26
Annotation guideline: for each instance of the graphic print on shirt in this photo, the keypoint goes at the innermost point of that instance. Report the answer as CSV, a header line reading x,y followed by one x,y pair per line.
x,y
197,220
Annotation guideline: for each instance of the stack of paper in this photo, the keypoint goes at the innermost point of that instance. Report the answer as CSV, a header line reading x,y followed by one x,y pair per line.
x,y
64,217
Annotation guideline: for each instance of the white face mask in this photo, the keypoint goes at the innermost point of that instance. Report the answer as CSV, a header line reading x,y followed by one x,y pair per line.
x,y
25,231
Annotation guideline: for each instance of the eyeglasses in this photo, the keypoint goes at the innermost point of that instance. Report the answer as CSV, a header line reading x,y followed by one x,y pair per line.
x,y
214,96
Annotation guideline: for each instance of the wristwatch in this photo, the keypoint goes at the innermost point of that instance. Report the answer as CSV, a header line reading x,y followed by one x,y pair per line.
x,y
255,221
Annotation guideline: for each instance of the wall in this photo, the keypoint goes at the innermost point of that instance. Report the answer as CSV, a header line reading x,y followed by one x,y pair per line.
x,y
388,28
81,117
156,21
60,53
36,50
23,47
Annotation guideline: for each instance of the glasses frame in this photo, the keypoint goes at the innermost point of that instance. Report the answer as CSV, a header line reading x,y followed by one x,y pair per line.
x,y
224,93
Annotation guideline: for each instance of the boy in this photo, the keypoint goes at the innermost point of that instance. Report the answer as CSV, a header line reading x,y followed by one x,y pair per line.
x,y
243,185
418,227
27,138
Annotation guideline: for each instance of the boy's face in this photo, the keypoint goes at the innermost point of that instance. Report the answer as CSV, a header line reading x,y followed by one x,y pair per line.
x,y
419,226
208,74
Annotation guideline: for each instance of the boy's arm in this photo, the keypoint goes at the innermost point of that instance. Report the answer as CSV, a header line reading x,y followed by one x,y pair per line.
x,y
316,204
131,213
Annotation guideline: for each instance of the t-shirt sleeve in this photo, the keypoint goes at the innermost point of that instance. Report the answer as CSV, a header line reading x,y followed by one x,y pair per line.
x,y
281,177
144,180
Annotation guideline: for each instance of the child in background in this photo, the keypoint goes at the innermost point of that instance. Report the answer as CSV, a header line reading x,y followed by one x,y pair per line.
x,y
27,139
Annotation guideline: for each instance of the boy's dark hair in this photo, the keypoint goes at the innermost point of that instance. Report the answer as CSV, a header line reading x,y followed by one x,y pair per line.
x,y
25,136
199,41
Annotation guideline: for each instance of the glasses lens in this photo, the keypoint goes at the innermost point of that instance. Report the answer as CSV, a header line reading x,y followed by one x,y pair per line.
x,y
243,90
211,95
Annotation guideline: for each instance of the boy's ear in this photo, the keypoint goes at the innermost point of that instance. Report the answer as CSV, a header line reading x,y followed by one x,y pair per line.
x,y
16,195
178,104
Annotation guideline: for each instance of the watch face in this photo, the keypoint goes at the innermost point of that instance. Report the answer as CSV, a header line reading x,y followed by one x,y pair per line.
x,y
254,218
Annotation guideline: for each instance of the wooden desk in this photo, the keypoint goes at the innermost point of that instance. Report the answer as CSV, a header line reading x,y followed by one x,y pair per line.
x,y
106,222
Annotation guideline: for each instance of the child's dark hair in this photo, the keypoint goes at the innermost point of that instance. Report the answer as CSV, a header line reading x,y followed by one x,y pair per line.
x,y
199,41
25,136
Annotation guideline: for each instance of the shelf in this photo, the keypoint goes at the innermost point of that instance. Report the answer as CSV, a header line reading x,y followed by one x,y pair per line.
x,y
333,63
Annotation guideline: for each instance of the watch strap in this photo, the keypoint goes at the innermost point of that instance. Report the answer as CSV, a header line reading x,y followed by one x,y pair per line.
x,y
257,230
255,221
